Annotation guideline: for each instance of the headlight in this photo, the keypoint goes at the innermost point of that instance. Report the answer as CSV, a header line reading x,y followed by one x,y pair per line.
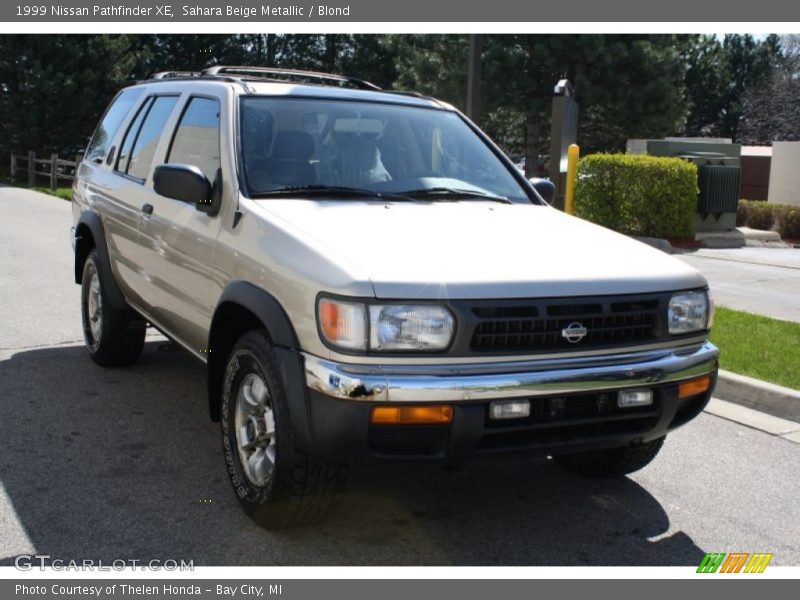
x,y
422,327
384,327
688,312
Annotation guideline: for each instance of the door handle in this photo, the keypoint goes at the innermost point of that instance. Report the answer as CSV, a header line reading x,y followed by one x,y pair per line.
x,y
147,209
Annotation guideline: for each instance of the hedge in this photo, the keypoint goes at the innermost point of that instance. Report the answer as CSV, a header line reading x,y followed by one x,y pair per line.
x,y
758,214
636,194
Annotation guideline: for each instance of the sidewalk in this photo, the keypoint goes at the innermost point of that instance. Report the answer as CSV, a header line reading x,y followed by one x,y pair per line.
x,y
763,281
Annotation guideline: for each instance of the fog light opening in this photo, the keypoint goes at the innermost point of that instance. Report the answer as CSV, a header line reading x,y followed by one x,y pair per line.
x,y
632,398
510,409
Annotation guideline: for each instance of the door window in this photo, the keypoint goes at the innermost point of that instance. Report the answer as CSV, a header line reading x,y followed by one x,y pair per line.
x,y
196,139
142,138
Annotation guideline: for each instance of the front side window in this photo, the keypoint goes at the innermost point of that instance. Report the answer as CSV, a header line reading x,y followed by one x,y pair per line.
x,y
384,148
196,140
110,123
141,140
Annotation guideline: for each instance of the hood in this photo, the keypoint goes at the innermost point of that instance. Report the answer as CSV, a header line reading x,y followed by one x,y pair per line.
x,y
478,249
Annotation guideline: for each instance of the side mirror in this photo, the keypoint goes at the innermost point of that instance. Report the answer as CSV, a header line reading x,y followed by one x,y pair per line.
x,y
182,182
545,188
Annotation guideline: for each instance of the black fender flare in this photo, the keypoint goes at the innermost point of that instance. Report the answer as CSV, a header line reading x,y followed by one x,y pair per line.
x,y
269,311
91,220
264,306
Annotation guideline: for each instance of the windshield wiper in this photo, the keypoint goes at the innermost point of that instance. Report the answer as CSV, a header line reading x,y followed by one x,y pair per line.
x,y
447,193
327,190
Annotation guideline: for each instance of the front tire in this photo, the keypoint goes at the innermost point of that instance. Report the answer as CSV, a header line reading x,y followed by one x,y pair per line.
x,y
613,462
278,484
114,338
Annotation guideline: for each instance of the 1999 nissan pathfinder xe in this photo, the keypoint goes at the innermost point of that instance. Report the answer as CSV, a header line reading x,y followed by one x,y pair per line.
x,y
368,277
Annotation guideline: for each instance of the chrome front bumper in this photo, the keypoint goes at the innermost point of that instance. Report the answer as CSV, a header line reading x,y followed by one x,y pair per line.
x,y
453,383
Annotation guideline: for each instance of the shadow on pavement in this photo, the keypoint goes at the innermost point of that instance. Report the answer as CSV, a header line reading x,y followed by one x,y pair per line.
x,y
124,464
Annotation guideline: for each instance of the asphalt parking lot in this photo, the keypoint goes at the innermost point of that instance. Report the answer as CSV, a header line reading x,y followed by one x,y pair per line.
x,y
764,281
124,464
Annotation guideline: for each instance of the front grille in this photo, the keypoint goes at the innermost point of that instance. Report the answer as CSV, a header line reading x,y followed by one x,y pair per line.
x,y
541,326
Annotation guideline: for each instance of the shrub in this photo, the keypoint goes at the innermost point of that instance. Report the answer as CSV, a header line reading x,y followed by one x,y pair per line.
x,y
741,212
643,195
761,215
758,214
789,223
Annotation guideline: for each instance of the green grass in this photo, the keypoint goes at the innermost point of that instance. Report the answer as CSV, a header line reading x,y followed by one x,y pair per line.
x,y
757,346
64,193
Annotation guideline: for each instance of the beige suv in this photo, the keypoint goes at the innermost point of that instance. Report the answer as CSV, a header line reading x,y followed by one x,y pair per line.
x,y
368,277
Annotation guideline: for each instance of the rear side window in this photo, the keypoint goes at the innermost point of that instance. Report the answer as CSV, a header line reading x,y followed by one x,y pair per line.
x,y
196,140
141,140
109,124
130,137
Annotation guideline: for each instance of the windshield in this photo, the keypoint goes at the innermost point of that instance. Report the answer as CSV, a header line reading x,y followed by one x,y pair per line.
x,y
292,143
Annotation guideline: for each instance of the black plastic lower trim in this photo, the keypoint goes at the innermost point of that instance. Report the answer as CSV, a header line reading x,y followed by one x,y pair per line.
x,y
341,429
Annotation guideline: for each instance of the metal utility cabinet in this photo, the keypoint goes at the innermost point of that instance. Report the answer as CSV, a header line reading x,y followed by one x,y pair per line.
x,y
719,177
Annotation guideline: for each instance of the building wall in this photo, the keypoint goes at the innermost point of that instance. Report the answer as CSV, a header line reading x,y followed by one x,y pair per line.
x,y
755,177
784,179
636,146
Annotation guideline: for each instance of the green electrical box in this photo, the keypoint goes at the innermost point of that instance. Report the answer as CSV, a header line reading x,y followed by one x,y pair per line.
x,y
719,178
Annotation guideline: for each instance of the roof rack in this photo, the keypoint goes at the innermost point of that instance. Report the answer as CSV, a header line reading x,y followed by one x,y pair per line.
x,y
248,74
410,93
277,74
175,74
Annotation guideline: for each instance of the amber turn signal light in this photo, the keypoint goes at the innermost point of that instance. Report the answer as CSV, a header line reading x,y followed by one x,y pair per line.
x,y
693,387
435,414
329,319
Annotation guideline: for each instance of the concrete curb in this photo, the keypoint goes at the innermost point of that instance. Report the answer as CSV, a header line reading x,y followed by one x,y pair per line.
x,y
753,393
657,243
755,419
738,238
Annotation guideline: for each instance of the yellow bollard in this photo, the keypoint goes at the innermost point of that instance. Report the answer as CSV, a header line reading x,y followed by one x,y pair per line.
x,y
573,152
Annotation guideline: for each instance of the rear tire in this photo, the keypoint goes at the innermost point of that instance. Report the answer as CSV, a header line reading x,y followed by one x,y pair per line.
x,y
613,462
114,338
278,484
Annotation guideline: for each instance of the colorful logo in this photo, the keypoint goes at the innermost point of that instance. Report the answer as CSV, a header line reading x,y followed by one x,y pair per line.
x,y
736,562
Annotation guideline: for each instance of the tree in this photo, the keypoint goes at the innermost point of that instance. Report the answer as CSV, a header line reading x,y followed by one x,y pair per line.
x,y
751,64
627,86
790,52
435,65
770,111
707,84
368,57
721,74
53,87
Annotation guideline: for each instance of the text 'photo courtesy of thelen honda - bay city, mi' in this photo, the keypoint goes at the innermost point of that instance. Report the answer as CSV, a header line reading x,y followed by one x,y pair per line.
x,y
368,277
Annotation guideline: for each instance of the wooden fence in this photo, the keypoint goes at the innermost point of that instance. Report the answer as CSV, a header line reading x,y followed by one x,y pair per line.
x,y
55,169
